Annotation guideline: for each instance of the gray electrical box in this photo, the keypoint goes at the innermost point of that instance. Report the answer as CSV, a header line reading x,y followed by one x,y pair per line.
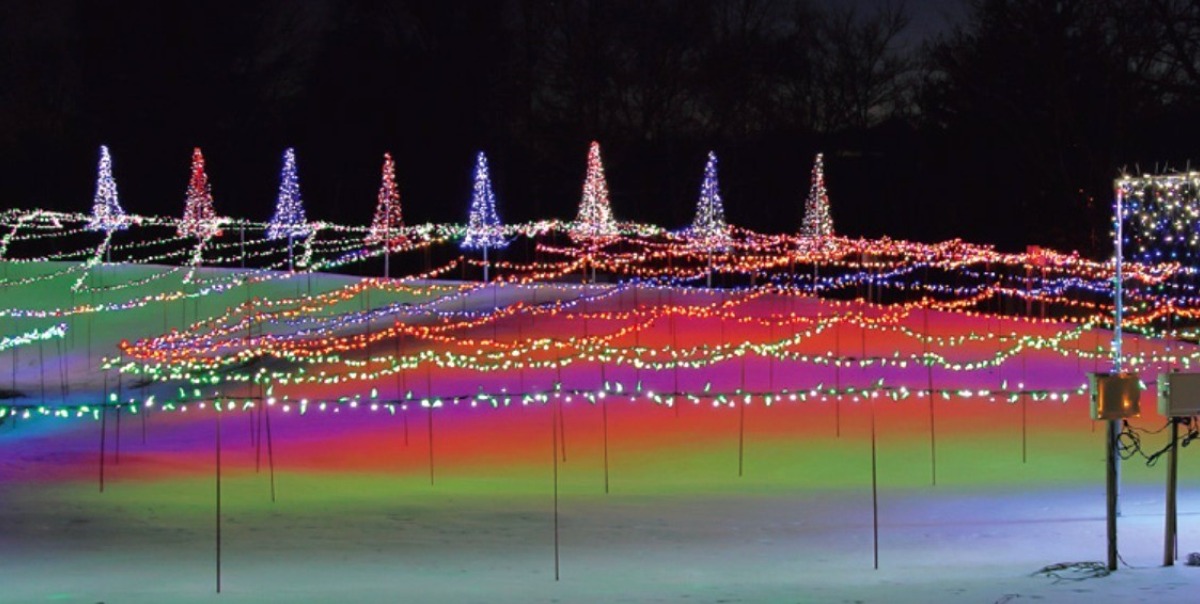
x,y
1179,394
1115,395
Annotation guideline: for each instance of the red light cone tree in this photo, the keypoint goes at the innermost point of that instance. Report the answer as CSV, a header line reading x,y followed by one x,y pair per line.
x,y
199,218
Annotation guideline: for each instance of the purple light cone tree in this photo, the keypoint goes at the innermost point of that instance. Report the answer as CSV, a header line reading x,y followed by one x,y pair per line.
x,y
107,214
484,230
709,231
289,221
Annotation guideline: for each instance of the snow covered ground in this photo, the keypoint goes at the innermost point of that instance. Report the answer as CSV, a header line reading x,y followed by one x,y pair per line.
x,y
357,518
941,544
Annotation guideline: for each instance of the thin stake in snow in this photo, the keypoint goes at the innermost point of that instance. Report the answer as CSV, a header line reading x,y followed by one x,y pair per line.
x,y
557,410
217,451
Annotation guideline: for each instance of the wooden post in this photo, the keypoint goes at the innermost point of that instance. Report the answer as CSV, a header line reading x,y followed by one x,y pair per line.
x,y
1110,453
1171,534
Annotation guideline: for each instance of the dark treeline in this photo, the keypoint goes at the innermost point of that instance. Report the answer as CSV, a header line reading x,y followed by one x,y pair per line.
x,y
1008,129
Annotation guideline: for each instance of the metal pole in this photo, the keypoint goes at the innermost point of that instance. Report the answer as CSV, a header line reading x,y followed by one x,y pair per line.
x,y
429,414
874,490
256,434
932,424
117,439
256,412
604,413
1024,430
1118,361
554,460
771,358
1042,300
63,372
42,368
837,379
270,451
218,512
1118,298
741,434
867,273
1028,286
103,433
562,432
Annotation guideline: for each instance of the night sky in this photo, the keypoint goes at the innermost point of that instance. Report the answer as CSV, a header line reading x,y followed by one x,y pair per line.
x,y
918,145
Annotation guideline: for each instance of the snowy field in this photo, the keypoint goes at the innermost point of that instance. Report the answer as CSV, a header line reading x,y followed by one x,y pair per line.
x,y
458,504
384,538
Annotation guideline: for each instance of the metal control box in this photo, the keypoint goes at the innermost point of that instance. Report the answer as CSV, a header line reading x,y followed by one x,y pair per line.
x,y
1179,394
1115,395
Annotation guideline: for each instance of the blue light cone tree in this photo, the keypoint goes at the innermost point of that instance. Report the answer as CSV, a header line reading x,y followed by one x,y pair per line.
x,y
107,214
289,221
709,231
483,224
